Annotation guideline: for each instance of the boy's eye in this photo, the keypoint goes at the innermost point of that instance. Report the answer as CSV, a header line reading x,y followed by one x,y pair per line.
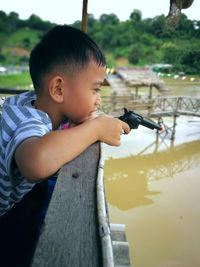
x,y
97,90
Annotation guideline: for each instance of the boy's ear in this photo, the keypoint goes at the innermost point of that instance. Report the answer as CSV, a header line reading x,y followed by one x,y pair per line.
x,y
56,89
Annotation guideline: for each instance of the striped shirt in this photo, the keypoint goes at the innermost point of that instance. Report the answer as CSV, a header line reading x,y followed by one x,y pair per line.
x,y
19,121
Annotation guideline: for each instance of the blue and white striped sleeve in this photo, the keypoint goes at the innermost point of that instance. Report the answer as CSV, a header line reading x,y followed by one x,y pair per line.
x,y
27,129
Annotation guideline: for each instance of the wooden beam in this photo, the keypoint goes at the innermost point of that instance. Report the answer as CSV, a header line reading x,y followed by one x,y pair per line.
x,y
12,91
84,16
70,234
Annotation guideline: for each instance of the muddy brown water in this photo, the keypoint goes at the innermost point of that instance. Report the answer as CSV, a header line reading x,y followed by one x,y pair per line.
x,y
153,188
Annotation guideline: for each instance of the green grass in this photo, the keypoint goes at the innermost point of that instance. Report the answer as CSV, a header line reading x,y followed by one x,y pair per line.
x,y
189,80
16,39
19,80
23,81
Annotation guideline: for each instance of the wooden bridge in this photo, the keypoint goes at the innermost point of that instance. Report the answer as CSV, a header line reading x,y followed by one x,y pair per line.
x,y
172,105
159,106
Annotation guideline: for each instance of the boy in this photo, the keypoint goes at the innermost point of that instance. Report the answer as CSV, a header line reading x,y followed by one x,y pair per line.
x,y
67,69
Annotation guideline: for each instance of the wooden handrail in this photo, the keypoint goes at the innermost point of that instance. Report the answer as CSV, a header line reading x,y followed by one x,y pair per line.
x,y
12,91
76,231
69,236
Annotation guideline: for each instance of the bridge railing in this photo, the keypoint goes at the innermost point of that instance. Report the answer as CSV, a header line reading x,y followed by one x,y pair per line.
x,y
177,105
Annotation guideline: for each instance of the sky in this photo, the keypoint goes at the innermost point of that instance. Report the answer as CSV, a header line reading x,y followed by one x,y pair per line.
x,y
68,11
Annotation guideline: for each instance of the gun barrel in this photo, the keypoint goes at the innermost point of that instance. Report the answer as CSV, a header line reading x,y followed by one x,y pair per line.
x,y
150,124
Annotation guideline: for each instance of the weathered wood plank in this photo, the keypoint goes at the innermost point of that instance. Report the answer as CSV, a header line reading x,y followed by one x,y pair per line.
x,y
70,233
12,91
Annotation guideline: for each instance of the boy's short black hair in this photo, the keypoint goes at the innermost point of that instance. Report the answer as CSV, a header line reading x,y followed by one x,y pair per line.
x,y
64,49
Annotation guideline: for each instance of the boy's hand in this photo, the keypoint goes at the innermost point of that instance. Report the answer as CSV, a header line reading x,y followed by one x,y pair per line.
x,y
110,129
51,151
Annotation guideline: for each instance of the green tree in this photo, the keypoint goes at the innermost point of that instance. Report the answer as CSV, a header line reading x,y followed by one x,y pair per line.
x,y
35,22
171,53
26,43
158,25
136,16
190,60
135,55
141,41
14,21
111,19
3,21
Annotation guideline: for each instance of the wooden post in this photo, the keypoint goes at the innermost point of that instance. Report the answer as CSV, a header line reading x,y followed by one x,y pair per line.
x,y
174,127
84,16
150,91
136,92
69,236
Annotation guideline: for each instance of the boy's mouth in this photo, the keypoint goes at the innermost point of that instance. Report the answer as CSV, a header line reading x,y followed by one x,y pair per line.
x,y
92,115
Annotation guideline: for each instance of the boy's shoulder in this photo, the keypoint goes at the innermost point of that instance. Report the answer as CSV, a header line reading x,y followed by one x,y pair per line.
x,y
21,99
14,102
19,109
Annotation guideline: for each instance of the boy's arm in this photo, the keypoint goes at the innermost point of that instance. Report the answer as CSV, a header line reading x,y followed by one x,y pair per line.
x,y
39,158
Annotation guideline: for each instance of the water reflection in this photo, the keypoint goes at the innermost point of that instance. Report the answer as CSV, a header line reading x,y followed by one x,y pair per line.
x,y
133,193
152,186
127,179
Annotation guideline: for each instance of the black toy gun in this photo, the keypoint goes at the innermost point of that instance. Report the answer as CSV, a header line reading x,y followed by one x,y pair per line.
x,y
134,120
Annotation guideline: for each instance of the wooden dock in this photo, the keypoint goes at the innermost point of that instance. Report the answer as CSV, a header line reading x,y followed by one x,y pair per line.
x,y
141,77
118,86
126,84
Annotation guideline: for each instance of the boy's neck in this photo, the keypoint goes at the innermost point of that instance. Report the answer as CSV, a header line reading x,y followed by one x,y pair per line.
x,y
49,108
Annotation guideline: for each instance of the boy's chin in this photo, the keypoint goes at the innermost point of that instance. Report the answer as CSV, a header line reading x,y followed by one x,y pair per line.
x,y
87,118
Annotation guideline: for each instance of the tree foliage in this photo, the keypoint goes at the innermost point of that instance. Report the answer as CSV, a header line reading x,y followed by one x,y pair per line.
x,y
141,41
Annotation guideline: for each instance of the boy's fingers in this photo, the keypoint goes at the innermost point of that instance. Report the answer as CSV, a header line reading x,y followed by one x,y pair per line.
x,y
126,128
122,132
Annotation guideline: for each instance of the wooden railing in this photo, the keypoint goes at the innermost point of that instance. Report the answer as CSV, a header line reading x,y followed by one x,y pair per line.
x,y
70,232
12,91
177,105
76,231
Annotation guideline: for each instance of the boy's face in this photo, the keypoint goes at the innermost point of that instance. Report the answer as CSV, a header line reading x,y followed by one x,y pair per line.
x,y
82,93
